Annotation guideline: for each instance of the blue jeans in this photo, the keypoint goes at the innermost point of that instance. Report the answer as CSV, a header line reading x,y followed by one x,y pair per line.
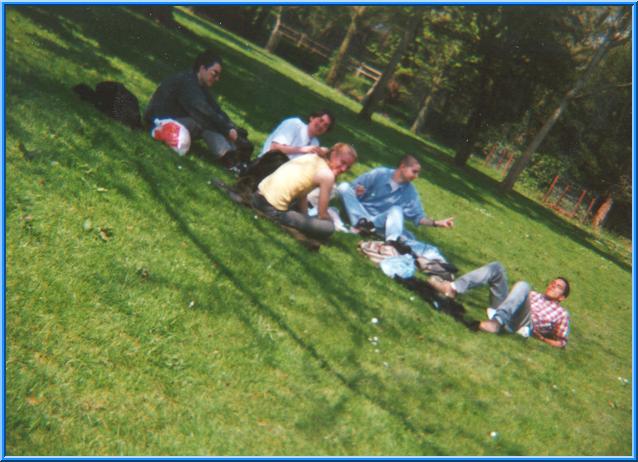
x,y
218,144
512,307
390,222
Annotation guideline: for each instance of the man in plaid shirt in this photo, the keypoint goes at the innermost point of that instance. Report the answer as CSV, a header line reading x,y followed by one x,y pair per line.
x,y
520,310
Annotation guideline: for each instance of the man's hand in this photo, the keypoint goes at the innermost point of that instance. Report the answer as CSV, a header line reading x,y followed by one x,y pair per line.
x,y
311,150
232,134
549,341
359,190
445,223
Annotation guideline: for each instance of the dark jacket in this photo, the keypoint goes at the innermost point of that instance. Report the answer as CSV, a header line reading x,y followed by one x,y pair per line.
x,y
181,95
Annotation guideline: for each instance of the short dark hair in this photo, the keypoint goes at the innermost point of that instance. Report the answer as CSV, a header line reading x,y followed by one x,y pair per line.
x,y
566,291
321,113
408,160
206,58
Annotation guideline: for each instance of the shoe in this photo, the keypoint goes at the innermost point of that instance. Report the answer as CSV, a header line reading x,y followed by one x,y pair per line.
x,y
239,168
229,158
491,326
364,223
442,286
525,331
490,313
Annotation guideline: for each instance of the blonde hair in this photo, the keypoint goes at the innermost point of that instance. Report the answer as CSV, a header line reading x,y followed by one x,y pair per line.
x,y
342,150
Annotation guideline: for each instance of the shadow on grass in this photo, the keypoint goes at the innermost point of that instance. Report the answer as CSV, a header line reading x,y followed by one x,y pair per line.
x,y
247,94
359,383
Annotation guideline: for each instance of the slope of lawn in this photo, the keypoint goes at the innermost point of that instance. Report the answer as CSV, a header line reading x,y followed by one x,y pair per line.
x,y
146,314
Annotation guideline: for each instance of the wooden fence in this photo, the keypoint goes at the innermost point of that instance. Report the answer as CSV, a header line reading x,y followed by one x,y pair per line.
x,y
301,40
565,197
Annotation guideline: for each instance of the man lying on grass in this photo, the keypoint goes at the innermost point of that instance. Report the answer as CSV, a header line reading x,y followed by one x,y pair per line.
x,y
185,97
288,186
522,310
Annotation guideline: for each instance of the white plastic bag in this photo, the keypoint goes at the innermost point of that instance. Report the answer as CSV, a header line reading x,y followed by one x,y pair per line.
x,y
173,134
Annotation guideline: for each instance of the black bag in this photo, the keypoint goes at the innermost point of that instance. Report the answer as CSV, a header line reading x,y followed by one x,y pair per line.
x,y
260,168
114,100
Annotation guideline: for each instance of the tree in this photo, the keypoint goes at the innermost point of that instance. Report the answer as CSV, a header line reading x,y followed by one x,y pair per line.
x,y
275,37
335,73
504,66
617,33
438,55
376,92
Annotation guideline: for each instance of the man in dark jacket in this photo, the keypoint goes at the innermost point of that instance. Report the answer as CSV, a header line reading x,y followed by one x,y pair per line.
x,y
185,97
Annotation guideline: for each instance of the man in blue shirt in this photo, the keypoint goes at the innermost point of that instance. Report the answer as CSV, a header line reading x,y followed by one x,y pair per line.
x,y
383,198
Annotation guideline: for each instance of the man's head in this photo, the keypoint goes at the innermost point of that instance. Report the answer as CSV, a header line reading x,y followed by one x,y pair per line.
x,y
320,122
208,68
558,289
341,158
408,169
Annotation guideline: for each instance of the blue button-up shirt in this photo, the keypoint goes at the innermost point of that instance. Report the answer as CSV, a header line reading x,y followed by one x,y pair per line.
x,y
379,197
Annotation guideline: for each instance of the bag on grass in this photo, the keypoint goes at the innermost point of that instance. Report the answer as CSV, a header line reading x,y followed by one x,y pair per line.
x,y
377,251
173,134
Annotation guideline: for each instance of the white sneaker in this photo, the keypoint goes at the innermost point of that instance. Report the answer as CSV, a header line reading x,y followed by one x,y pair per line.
x,y
525,331
490,313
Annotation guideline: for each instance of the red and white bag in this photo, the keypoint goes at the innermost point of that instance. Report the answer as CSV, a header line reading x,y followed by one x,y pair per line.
x,y
173,134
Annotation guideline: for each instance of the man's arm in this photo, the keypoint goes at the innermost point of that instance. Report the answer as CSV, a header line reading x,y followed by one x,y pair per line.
x,y
363,182
288,150
204,110
325,179
444,223
556,343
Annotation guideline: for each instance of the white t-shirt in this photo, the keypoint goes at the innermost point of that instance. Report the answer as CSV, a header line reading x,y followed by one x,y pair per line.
x,y
291,132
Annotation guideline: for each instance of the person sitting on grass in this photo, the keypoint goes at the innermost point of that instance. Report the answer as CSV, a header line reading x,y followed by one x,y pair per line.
x,y
288,186
185,97
522,310
381,199
294,137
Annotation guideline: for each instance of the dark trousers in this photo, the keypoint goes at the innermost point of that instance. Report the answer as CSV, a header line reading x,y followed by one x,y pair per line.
x,y
311,226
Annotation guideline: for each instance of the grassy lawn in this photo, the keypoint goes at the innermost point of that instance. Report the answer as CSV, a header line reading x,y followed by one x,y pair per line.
x,y
146,314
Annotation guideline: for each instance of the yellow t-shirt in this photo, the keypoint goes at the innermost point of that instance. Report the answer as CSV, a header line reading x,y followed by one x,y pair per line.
x,y
290,181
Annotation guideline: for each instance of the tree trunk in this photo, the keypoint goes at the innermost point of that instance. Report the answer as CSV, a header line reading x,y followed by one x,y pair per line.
x,y
519,165
375,94
339,63
471,134
473,127
602,211
274,38
419,122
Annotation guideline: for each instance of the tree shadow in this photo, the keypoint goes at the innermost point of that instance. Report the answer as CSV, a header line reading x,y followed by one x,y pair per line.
x,y
366,385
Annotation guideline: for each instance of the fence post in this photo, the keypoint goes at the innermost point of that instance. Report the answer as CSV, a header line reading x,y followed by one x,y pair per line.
x,y
501,157
551,188
491,153
567,188
509,162
580,199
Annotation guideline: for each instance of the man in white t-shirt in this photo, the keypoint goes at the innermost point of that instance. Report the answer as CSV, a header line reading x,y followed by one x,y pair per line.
x,y
294,137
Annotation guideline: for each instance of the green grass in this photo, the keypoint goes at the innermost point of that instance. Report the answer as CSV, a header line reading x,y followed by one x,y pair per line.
x,y
148,315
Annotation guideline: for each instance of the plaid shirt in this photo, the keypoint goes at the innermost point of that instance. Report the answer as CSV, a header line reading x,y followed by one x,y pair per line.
x,y
549,317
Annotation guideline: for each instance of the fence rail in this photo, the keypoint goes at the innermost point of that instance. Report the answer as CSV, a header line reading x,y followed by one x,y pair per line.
x,y
303,41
